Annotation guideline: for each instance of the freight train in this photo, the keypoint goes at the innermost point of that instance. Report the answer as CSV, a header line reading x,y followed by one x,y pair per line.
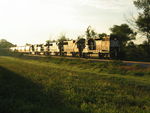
x,y
105,47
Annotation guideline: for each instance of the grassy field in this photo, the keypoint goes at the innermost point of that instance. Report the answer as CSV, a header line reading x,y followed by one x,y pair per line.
x,y
57,85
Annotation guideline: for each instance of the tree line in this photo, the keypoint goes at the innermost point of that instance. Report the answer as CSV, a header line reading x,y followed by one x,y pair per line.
x,y
125,33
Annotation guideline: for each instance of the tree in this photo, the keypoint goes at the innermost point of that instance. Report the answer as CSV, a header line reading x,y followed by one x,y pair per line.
x,y
81,46
5,44
80,37
102,35
146,47
143,20
61,43
123,33
49,41
4,47
62,38
90,33
48,44
131,44
27,44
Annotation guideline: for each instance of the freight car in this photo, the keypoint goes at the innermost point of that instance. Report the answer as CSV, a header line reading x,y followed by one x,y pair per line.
x,y
102,48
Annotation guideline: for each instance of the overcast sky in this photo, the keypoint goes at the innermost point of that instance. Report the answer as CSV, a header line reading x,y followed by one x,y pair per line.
x,y
34,21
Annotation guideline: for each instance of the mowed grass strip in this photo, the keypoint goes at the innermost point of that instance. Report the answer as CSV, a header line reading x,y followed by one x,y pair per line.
x,y
48,85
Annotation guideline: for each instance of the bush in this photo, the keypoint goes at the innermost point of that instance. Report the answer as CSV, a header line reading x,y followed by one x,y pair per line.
x,y
139,74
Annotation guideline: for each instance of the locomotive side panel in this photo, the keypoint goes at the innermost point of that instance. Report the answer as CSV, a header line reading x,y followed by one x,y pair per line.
x,y
105,47
70,47
54,49
98,46
27,49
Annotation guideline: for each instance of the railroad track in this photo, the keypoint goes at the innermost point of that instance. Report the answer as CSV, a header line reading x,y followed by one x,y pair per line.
x,y
144,64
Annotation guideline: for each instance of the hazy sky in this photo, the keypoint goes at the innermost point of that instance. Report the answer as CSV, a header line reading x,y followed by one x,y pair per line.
x,y
34,21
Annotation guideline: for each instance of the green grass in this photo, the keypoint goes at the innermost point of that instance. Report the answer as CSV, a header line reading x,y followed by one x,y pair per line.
x,y
58,85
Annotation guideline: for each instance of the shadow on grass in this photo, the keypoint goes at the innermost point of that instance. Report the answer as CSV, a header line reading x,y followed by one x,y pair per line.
x,y
21,95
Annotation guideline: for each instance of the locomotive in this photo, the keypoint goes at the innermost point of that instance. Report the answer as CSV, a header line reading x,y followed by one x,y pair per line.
x,y
103,48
